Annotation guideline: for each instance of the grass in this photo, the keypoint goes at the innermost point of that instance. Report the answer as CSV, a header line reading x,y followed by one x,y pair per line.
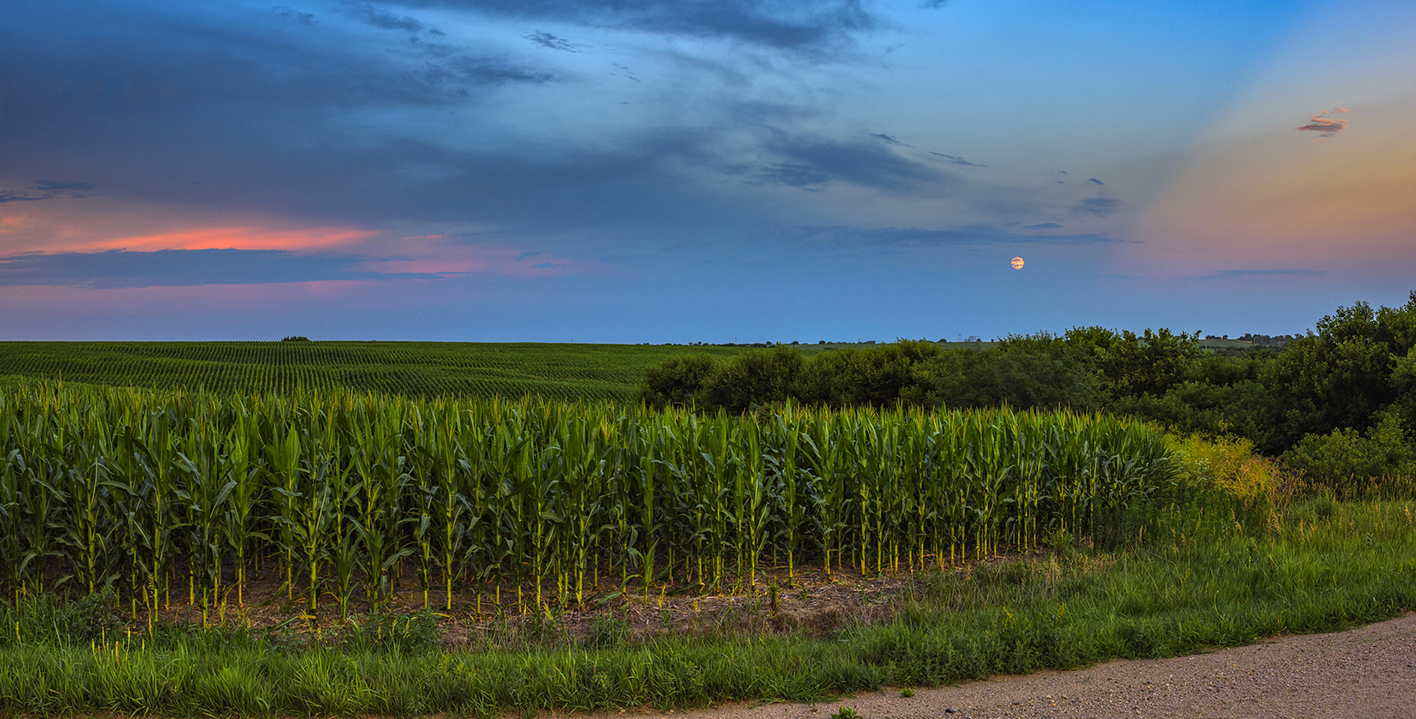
x,y
1209,576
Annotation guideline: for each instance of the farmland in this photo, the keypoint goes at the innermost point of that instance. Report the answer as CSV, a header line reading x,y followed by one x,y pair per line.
x,y
420,369
416,528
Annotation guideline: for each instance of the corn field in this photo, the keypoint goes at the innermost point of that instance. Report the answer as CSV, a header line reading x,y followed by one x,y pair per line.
x,y
425,369
159,494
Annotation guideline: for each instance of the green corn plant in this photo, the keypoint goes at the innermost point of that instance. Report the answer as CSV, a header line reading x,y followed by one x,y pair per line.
x,y
651,463
423,496
76,469
452,508
283,470
241,469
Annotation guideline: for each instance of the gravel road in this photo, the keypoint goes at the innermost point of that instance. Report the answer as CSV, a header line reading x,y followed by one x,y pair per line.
x,y
1364,673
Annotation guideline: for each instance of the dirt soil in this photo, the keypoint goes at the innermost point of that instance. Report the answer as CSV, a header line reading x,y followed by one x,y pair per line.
x,y
1364,673
810,601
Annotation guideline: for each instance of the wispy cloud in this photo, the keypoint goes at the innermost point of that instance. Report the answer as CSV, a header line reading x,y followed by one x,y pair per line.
x,y
892,140
525,255
813,162
1260,273
67,185
811,26
917,236
177,268
1099,206
385,20
1044,226
1325,126
957,160
13,196
1095,181
304,18
888,139
48,189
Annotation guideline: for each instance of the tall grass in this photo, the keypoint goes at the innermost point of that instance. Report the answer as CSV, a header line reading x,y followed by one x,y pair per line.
x,y
108,487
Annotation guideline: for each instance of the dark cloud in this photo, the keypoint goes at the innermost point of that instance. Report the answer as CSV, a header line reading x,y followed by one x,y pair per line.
x,y
1099,206
551,42
804,25
525,255
1253,273
52,186
957,160
1096,181
1044,226
144,62
915,236
174,268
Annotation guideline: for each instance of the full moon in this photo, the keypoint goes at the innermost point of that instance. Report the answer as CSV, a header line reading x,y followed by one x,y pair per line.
x,y
1017,263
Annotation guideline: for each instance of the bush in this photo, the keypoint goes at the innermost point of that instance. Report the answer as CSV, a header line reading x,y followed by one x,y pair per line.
x,y
1020,379
1354,464
755,377
677,381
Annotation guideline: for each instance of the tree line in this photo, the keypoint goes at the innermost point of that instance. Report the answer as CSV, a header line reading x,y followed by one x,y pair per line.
x,y
1339,402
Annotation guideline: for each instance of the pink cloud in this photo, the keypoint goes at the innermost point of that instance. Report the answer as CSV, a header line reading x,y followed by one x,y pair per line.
x,y
1325,126
239,238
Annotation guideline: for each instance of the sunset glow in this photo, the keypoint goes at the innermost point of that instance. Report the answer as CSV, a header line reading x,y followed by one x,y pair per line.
x,y
808,169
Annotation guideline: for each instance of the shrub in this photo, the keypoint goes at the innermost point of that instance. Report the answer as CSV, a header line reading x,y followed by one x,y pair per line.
x,y
1352,464
755,377
677,381
1019,379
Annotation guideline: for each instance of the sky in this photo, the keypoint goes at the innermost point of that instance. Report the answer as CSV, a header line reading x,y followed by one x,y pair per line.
x,y
700,170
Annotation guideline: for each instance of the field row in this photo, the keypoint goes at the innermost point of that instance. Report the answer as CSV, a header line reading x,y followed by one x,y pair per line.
x,y
421,369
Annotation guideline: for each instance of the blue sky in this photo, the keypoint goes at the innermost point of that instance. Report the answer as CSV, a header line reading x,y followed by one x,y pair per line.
x,y
652,171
